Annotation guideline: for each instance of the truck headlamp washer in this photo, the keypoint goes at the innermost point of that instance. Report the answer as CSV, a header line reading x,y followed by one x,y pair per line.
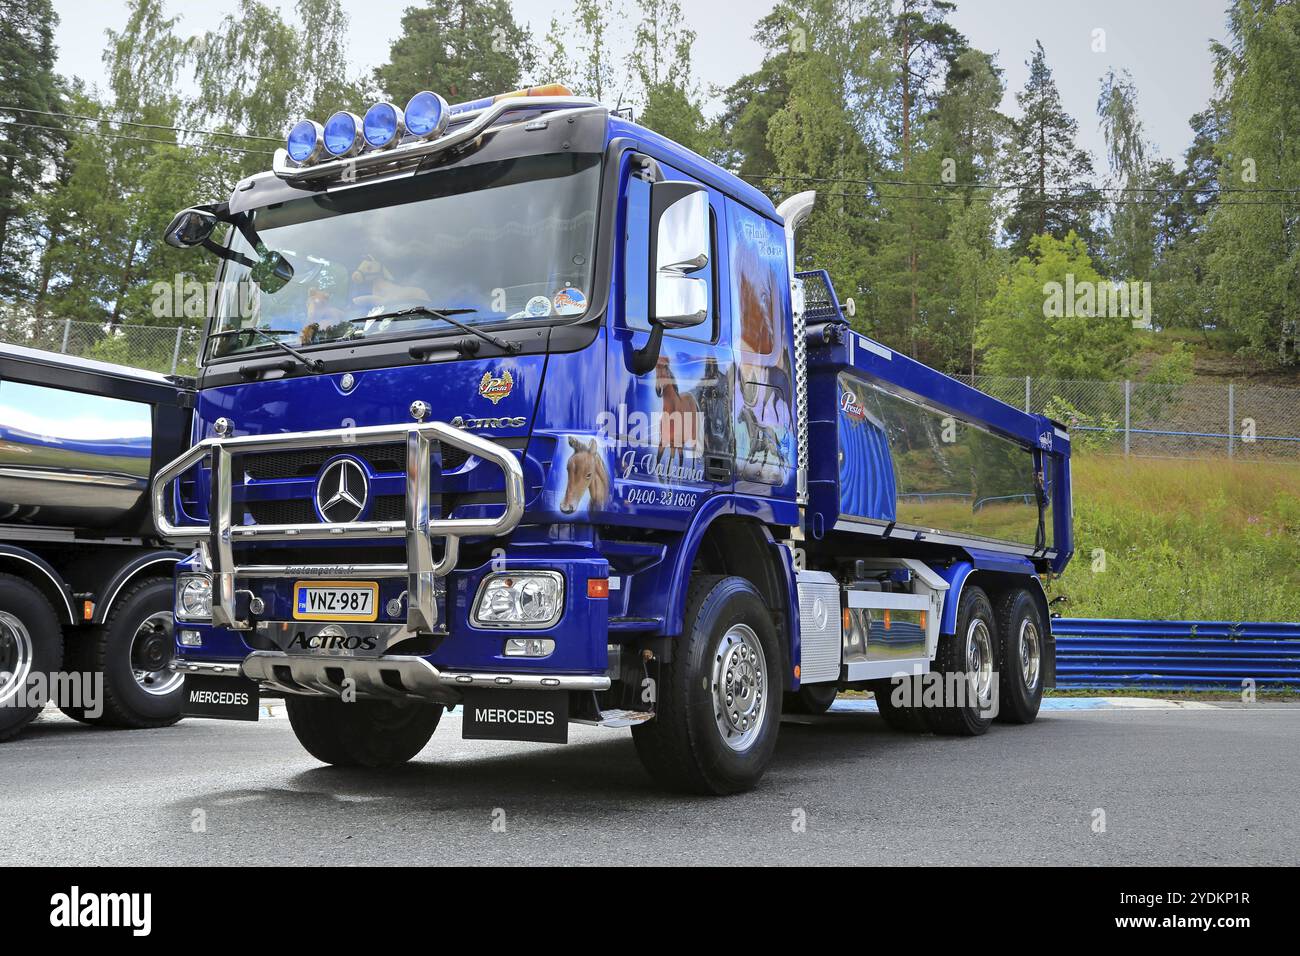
x,y
418,528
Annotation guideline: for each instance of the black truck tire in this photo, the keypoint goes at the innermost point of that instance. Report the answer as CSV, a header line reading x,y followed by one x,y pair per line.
x,y
905,718
812,699
363,733
31,642
1021,635
966,707
132,649
718,707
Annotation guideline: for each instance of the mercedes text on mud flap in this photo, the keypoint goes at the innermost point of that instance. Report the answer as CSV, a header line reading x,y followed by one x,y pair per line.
x,y
518,406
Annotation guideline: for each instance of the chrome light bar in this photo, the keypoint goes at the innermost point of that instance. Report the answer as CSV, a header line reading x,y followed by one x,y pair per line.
x,y
217,539
476,123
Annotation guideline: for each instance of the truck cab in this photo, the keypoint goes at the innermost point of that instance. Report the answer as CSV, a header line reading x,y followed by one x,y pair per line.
x,y
512,405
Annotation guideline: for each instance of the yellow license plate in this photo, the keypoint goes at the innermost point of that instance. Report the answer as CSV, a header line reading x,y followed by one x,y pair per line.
x,y
336,600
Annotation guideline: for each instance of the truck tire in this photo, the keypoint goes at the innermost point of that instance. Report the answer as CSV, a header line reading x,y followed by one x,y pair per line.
x,y
132,649
363,733
719,704
31,642
813,699
905,718
1020,633
966,706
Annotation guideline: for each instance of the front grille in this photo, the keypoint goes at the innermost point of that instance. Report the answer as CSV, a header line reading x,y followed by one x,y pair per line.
x,y
307,463
386,459
388,508
288,511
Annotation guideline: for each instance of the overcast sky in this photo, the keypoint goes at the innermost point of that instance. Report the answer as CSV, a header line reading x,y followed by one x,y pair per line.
x,y
1163,43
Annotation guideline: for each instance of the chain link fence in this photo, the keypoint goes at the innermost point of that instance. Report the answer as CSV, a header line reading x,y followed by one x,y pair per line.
x,y
1251,422
1146,419
172,350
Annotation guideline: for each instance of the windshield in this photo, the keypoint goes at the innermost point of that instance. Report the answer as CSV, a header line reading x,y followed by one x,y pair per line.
x,y
489,243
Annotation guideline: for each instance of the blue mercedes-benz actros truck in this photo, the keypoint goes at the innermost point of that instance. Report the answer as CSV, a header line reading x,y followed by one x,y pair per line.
x,y
519,406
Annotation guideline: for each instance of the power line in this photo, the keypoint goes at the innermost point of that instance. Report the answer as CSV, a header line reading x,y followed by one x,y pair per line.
x,y
1023,186
1060,200
118,122
139,139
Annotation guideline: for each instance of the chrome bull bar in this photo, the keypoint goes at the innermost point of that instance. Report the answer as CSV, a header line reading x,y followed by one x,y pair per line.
x,y
216,540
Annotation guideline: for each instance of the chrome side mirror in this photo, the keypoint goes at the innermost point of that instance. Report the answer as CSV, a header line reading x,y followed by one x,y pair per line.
x,y
189,228
679,244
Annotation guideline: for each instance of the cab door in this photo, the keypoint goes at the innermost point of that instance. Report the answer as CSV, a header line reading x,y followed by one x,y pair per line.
x,y
762,331
672,438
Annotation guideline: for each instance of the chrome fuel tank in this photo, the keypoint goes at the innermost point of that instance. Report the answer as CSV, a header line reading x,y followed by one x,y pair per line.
x,y
79,439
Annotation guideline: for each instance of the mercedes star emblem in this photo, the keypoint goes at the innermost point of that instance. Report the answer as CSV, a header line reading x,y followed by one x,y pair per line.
x,y
341,491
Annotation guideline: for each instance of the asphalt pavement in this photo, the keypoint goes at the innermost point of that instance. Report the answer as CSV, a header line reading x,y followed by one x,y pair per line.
x,y
1088,783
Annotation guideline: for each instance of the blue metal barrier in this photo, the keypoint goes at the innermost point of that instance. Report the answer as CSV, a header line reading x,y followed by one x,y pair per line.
x,y
1173,655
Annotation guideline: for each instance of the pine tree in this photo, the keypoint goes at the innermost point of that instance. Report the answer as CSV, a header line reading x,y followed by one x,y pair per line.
x,y
463,49
30,84
1051,173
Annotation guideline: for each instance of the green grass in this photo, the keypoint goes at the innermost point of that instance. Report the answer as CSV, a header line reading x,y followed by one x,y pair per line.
x,y
1198,540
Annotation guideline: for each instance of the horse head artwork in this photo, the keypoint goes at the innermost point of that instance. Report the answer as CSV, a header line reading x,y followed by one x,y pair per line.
x,y
758,304
587,476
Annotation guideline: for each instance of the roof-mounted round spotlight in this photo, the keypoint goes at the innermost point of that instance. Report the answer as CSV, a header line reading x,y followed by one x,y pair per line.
x,y
383,125
426,114
343,134
305,142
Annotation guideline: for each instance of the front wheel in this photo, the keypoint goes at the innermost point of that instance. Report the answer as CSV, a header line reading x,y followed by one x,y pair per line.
x,y
363,733
132,650
719,698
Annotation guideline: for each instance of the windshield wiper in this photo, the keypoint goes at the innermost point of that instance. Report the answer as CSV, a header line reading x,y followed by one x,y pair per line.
x,y
315,366
424,312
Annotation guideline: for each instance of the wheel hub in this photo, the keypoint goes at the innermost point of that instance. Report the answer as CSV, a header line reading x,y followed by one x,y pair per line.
x,y
152,650
1031,654
15,655
739,687
979,662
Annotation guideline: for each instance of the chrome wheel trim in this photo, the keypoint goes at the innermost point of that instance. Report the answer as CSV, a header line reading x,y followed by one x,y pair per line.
x,y
160,682
16,653
739,684
979,663
1031,654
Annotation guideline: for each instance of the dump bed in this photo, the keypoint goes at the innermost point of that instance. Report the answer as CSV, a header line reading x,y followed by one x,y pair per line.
x,y
903,452
79,440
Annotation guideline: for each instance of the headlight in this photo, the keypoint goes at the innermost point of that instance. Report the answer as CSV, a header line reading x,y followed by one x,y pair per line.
x,y
194,597
520,599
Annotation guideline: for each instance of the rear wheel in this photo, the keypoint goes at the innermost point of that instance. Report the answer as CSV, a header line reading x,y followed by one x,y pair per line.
x,y
132,649
965,670
1021,634
719,701
811,699
31,644
363,733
